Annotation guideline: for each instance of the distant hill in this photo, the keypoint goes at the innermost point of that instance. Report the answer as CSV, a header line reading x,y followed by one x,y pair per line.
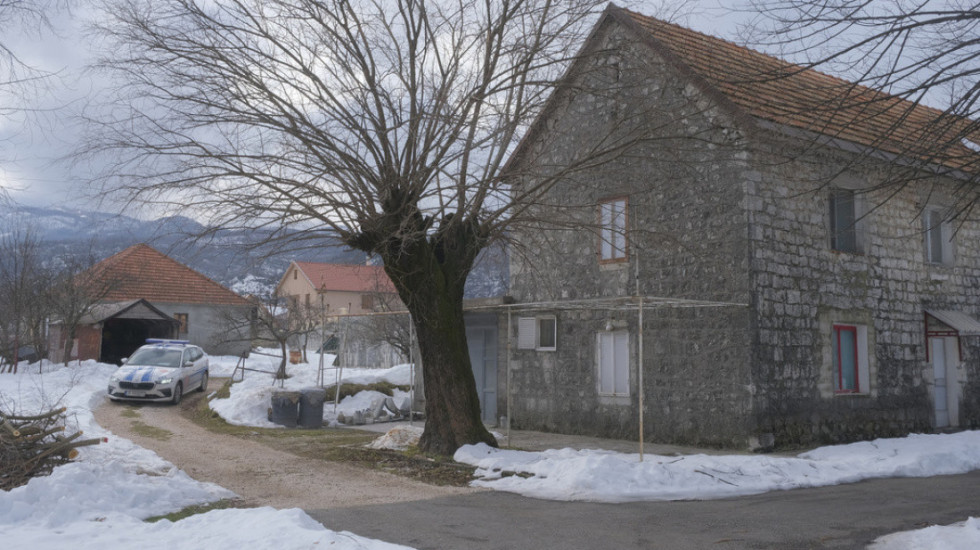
x,y
225,256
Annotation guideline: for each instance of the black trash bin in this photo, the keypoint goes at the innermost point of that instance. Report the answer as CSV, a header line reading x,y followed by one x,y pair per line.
x,y
311,407
285,408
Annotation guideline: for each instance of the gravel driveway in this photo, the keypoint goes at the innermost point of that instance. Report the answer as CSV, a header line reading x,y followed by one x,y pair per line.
x,y
261,475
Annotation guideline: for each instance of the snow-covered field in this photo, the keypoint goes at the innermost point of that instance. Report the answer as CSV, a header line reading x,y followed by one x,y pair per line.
x,y
100,500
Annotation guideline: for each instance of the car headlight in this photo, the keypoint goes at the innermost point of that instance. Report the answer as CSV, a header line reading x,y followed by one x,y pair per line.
x,y
167,380
114,378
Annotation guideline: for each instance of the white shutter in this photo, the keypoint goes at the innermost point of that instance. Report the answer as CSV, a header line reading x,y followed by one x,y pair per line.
x,y
622,354
606,363
526,333
614,360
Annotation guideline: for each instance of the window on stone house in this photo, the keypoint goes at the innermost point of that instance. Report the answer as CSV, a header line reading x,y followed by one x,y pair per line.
x,y
182,319
849,350
938,236
612,356
612,230
537,333
308,301
367,302
843,221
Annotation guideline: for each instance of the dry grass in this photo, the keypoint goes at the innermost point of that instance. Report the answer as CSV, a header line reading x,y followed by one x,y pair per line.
x,y
335,444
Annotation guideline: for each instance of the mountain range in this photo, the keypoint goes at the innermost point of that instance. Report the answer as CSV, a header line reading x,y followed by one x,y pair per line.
x,y
230,257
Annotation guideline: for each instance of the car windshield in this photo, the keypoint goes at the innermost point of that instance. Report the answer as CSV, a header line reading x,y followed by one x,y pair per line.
x,y
155,357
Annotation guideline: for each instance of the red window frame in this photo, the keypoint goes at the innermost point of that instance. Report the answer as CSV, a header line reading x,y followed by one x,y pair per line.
x,y
622,256
838,385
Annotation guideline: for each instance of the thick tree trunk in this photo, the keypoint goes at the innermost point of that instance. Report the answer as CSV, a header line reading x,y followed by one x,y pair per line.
x,y
452,406
429,274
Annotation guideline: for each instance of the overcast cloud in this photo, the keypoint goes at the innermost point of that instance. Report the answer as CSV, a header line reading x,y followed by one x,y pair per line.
x,y
36,143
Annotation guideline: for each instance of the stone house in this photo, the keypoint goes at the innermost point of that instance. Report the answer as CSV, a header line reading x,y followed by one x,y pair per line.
x,y
150,295
792,294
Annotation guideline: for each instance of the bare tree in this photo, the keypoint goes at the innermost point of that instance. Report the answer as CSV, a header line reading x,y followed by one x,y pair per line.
x,y
272,317
74,290
16,76
924,52
385,124
23,287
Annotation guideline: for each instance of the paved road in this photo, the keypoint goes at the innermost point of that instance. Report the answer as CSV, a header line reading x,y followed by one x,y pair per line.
x,y
846,516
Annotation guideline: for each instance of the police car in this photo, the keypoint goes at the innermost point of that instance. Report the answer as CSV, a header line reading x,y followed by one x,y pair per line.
x,y
162,370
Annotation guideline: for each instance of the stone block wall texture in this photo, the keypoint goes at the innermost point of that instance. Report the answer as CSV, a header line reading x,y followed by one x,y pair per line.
x,y
802,287
688,240
738,217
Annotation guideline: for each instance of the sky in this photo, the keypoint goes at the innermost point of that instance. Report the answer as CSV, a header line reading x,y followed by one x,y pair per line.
x,y
101,499
36,144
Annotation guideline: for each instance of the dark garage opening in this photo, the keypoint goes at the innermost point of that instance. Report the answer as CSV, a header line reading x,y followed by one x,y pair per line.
x,y
121,337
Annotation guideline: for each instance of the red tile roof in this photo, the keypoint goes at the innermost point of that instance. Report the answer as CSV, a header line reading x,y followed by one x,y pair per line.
x,y
140,271
777,91
347,278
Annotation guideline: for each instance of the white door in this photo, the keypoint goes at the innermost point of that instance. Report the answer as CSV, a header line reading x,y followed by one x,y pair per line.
x,y
943,352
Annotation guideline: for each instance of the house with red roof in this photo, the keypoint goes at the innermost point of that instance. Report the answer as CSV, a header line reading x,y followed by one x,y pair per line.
x,y
765,257
338,289
151,295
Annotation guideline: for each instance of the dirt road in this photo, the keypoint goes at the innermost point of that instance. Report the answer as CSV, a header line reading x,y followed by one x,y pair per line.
x,y
261,475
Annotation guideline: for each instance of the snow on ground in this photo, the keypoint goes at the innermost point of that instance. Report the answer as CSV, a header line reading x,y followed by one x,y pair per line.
x,y
964,535
100,500
605,476
251,398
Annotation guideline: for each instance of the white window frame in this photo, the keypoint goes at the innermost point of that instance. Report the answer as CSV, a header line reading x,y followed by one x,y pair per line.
x,y
613,224
529,333
863,381
936,228
613,363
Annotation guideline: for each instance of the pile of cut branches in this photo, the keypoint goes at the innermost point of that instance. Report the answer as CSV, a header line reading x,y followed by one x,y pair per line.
x,y
32,446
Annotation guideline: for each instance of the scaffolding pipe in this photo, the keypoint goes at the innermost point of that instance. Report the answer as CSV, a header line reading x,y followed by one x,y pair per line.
x,y
508,377
320,375
639,376
342,349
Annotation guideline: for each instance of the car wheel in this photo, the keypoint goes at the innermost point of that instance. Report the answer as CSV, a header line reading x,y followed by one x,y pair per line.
x,y
204,383
178,393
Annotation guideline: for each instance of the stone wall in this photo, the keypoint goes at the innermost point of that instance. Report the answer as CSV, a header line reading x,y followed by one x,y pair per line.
x,y
688,239
802,287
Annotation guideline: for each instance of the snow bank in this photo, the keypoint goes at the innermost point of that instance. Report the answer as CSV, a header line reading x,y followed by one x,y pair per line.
x,y
605,476
961,535
100,500
233,529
